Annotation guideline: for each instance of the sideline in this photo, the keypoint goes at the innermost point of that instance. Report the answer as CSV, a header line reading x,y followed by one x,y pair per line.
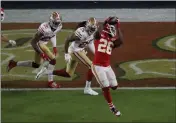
x,y
96,88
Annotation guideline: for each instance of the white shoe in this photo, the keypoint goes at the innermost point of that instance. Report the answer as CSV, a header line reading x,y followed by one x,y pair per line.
x,y
41,72
90,91
118,114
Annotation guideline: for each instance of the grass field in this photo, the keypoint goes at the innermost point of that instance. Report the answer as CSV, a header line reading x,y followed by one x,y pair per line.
x,y
73,106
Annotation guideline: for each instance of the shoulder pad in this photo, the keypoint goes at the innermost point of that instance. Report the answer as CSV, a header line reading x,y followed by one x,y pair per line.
x,y
43,28
80,33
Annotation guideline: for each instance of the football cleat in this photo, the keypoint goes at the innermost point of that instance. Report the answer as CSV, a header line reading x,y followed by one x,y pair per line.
x,y
41,72
89,91
11,65
53,85
115,112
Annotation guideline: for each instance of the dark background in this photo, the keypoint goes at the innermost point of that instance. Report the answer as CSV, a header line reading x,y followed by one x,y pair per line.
x,y
86,4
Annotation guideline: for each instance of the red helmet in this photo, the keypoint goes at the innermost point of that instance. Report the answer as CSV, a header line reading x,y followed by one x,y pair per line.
x,y
110,29
2,14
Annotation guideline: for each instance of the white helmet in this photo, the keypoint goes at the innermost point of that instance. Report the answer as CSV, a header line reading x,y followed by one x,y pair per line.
x,y
91,25
2,14
55,20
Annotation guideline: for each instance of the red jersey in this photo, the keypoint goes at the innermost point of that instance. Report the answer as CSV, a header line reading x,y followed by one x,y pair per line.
x,y
103,50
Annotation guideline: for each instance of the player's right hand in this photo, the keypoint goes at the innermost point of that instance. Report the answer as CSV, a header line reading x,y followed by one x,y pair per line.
x,y
68,57
44,56
12,42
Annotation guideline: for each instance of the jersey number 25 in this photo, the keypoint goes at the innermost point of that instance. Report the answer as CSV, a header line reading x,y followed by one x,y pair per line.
x,y
105,46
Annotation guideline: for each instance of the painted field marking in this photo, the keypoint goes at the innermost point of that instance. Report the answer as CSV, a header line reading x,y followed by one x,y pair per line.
x,y
95,88
28,30
10,56
11,32
18,33
168,43
140,71
21,75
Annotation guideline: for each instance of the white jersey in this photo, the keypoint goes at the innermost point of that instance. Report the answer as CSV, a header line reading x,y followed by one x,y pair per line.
x,y
85,39
47,32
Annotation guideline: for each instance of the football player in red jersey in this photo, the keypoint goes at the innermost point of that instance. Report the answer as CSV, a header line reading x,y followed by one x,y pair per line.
x,y
110,37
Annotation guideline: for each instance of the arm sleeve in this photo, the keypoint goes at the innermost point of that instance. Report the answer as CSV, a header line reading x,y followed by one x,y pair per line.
x,y
53,41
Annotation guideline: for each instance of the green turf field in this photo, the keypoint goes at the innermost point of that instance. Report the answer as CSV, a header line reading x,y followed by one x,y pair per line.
x,y
73,106
24,51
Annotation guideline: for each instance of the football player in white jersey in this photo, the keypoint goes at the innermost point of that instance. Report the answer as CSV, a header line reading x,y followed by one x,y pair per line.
x,y
80,39
46,32
3,37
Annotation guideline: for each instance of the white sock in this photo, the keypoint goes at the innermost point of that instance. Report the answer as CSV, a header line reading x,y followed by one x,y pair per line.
x,y
44,64
88,84
24,63
50,72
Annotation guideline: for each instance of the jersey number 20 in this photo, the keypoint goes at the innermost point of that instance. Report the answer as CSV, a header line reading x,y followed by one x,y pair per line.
x,y
105,46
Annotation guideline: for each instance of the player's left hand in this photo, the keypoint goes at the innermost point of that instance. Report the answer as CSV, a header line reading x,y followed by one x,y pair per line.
x,y
12,42
55,51
68,57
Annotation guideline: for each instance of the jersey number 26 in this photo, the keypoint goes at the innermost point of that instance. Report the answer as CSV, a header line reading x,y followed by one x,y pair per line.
x,y
105,46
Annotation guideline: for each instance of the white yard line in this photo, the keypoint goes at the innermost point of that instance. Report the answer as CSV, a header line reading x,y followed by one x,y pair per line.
x,y
95,88
10,56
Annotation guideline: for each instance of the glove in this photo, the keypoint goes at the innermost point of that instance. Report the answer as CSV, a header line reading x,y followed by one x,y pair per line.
x,y
67,57
12,42
44,56
55,51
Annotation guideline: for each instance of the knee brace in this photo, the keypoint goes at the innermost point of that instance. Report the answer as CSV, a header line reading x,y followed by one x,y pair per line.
x,y
53,62
35,65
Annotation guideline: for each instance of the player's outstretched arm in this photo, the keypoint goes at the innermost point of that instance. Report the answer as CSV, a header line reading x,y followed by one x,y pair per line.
x,y
53,41
119,41
120,35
